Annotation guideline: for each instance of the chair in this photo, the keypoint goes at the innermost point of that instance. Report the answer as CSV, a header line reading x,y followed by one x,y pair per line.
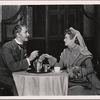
x,y
5,90
79,90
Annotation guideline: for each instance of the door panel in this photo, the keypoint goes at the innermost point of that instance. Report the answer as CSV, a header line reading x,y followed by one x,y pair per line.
x,y
38,39
36,44
39,22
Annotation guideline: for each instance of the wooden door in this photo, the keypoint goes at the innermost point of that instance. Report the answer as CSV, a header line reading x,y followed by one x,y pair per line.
x,y
60,18
38,28
48,25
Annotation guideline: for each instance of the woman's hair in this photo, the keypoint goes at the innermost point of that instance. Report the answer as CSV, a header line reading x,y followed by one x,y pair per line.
x,y
17,29
71,35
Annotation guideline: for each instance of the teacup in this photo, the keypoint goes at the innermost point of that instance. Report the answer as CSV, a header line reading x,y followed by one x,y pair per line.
x,y
57,69
46,67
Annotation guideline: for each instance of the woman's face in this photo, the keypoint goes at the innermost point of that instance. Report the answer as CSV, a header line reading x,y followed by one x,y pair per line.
x,y
67,40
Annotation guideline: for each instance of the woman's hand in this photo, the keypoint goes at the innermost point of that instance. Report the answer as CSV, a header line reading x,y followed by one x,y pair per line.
x,y
71,74
76,69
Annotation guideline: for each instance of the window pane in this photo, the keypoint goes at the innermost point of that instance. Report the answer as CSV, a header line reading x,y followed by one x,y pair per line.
x,y
53,25
39,20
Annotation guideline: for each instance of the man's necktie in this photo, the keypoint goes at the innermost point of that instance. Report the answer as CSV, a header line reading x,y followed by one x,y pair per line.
x,y
22,46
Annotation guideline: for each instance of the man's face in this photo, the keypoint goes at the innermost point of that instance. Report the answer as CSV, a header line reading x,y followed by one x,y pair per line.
x,y
67,40
23,35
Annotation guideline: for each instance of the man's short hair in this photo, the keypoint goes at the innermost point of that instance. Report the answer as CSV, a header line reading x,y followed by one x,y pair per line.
x,y
17,29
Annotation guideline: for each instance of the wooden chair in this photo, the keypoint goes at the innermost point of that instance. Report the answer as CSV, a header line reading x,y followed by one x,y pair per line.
x,y
5,90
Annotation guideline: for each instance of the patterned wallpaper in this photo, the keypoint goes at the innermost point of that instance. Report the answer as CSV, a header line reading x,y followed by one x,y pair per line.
x,y
0,21
29,20
89,23
88,27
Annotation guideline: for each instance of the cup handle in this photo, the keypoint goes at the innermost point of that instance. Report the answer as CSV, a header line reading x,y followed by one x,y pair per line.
x,y
48,66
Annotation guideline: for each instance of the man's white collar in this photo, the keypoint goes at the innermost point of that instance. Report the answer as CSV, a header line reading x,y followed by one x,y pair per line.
x,y
18,41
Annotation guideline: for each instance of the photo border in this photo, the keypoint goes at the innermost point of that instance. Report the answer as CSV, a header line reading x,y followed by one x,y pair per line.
x,y
50,2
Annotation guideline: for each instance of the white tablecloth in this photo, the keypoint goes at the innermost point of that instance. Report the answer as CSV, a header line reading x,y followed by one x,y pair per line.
x,y
31,84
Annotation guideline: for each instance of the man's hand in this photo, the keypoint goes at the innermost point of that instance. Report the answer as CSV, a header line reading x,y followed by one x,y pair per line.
x,y
33,55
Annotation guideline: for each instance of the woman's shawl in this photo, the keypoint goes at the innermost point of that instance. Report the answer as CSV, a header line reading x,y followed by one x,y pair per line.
x,y
69,58
78,61
83,48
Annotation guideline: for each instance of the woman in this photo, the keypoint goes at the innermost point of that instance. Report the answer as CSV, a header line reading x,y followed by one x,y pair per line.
x,y
77,60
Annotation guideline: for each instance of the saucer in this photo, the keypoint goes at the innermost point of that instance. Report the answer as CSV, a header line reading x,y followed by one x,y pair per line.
x,y
57,72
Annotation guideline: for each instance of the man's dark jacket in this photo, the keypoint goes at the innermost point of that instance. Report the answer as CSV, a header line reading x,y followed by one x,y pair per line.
x,y
10,57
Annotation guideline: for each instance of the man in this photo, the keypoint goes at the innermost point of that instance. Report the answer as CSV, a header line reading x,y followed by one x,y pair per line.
x,y
14,57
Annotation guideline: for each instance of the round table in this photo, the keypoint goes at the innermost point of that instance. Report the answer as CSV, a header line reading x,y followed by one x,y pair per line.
x,y
44,84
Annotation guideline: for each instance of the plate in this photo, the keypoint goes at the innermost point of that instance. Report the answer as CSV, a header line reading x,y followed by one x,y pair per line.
x,y
57,72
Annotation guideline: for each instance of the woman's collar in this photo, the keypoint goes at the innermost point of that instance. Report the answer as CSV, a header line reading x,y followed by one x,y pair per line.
x,y
72,47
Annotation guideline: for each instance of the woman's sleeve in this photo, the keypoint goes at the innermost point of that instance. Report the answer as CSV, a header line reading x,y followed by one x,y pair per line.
x,y
88,69
53,61
61,61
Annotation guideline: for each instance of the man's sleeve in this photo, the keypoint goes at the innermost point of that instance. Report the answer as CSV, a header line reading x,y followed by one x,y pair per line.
x,y
10,61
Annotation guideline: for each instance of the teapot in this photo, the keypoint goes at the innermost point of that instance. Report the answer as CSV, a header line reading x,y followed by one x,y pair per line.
x,y
37,65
